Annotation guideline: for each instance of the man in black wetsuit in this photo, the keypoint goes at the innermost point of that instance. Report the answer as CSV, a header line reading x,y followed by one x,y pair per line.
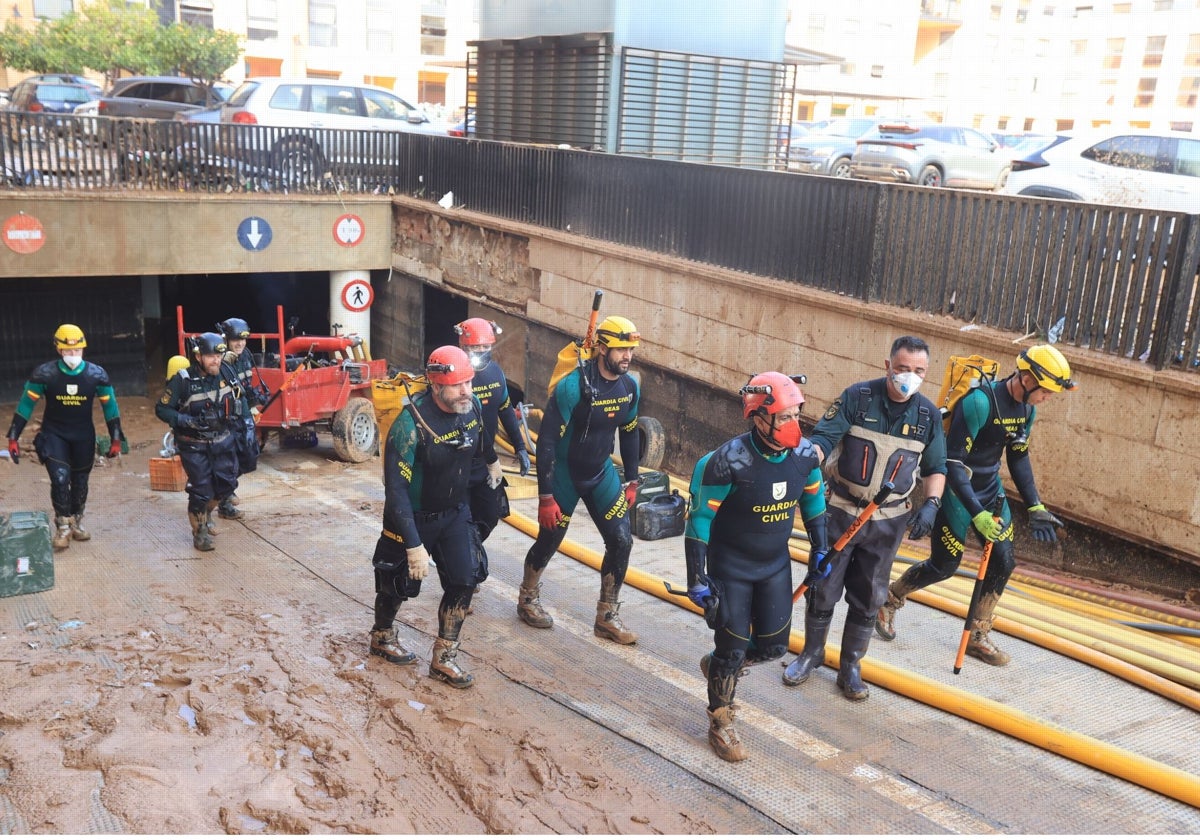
x,y
476,337
426,469
587,408
202,404
990,421
66,444
744,497
240,362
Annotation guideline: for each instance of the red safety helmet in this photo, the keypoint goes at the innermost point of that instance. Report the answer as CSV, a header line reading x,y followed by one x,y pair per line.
x,y
772,392
448,365
476,332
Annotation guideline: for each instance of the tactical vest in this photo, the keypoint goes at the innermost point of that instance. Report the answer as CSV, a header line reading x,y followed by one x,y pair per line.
x,y
865,458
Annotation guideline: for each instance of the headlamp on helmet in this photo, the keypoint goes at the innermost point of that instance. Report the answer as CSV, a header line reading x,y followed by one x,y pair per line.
x,y
69,337
209,344
234,329
477,332
615,331
771,393
448,365
1046,364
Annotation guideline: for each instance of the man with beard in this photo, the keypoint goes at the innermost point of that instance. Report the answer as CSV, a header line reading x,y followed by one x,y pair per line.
x,y
591,404
66,444
426,470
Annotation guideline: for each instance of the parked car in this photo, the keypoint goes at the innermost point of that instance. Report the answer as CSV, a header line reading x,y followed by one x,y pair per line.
x,y
48,97
302,104
159,97
932,155
1023,145
828,150
1139,168
463,128
67,79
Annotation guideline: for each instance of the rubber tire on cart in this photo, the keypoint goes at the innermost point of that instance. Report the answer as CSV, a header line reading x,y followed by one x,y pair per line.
x,y
355,431
652,445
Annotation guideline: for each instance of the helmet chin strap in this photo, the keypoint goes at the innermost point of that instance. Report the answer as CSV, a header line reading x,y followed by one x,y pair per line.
x,y
1025,392
768,440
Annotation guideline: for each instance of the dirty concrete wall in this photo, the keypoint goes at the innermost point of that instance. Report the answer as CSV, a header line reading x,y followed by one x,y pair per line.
x,y
1114,455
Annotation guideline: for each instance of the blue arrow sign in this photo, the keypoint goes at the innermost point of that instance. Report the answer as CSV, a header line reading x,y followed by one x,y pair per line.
x,y
254,234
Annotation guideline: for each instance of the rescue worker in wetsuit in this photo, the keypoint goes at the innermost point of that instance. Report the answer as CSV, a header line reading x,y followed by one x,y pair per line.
x,y
202,404
744,496
877,431
240,364
992,420
66,444
427,515
587,407
477,337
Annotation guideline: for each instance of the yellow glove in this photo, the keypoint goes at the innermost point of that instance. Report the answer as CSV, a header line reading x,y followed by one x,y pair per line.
x,y
418,562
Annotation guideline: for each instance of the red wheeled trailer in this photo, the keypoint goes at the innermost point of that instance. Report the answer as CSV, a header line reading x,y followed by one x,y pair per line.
x,y
317,381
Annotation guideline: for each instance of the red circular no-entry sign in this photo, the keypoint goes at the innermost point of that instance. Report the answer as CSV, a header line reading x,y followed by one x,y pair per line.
x,y
348,230
23,234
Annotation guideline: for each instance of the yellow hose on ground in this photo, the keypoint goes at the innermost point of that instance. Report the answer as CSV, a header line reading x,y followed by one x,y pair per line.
x,y
1115,761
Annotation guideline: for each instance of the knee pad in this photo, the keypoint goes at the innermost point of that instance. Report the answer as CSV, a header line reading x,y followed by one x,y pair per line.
x,y
1001,563
766,653
726,663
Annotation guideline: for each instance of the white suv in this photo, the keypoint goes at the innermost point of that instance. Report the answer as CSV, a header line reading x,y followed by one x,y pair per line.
x,y
1130,167
319,104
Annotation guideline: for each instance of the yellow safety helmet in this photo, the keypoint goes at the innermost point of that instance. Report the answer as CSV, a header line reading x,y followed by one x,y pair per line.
x,y
69,337
615,331
176,364
1048,366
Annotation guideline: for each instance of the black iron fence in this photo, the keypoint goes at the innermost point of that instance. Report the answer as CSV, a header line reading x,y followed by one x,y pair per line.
x,y
1118,280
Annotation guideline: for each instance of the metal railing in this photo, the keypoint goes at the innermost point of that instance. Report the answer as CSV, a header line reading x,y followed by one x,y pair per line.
x,y
1119,280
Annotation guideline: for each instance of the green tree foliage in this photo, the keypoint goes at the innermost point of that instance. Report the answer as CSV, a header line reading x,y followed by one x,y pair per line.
x,y
116,39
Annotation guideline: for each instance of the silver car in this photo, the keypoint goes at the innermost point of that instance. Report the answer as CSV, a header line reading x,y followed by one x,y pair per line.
x,y
931,156
828,151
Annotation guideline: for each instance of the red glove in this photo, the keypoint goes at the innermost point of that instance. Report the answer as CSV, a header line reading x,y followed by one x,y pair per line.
x,y
549,513
14,450
631,493
114,449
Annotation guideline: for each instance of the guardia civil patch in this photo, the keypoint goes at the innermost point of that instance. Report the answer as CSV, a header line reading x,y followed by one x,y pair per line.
x,y
833,409
166,398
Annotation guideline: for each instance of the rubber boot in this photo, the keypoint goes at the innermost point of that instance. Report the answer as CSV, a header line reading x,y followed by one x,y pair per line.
x,y
201,539
723,738
855,639
77,532
609,625
208,519
384,643
816,629
529,603
62,534
885,619
979,645
443,664
226,510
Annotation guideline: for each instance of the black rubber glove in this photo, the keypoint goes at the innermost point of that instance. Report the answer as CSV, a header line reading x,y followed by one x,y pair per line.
x,y
920,522
1042,523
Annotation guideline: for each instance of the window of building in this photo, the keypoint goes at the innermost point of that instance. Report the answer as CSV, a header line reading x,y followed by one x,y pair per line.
x,y
1154,51
51,9
431,87
433,34
1164,5
996,10
1192,57
1189,87
1084,11
1048,11
1145,94
1028,124
1023,11
1002,123
1122,8
197,13
259,66
1064,125
262,20
381,26
876,71
816,23
1113,47
847,68
1079,48
322,23
1184,126
1042,47
839,110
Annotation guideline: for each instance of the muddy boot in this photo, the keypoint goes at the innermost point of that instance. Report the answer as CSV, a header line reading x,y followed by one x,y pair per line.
x,y
979,645
723,737
609,626
855,639
77,532
226,510
529,603
233,498
62,533
208,518
201,539
816,629
885,619
384,643
443,664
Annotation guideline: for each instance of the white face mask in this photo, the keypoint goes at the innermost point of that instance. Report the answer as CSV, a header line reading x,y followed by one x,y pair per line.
x,y
906,383
72,359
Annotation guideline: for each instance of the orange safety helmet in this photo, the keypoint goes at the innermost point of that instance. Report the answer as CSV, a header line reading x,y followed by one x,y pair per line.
x,y
477,332
449,365
771,392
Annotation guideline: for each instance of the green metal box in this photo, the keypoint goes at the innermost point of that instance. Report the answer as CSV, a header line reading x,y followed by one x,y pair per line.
x,y
26,558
